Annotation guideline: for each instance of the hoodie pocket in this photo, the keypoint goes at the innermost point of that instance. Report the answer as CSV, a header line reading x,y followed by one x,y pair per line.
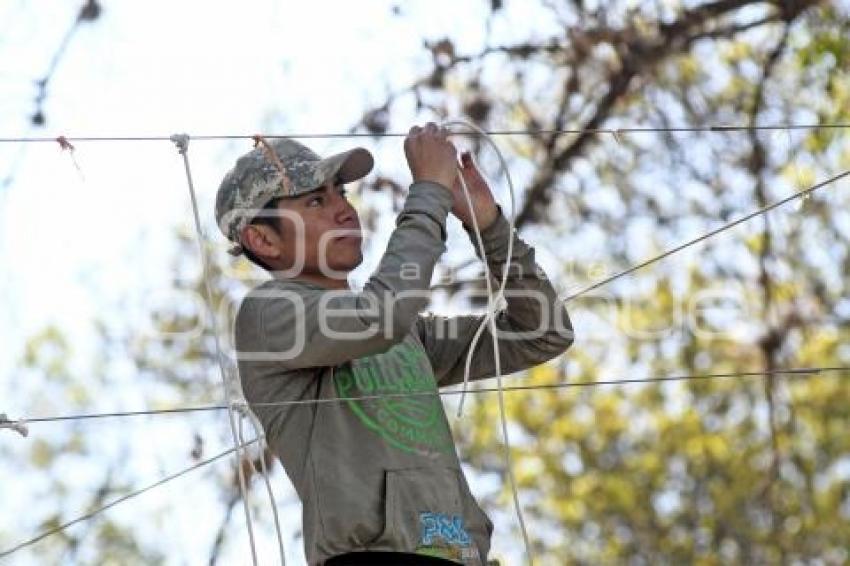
x,y
430,510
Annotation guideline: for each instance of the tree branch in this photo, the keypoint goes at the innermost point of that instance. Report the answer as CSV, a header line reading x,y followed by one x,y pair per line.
x,y
638,54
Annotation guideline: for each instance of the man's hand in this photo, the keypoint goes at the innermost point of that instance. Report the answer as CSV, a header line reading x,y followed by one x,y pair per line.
x,y
480,194
430,155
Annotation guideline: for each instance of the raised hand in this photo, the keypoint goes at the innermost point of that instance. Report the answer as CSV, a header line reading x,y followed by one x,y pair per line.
x,y
483,203
430,155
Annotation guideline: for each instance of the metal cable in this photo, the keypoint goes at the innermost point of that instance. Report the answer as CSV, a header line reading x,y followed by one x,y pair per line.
x,y
447,393
616,132
121,499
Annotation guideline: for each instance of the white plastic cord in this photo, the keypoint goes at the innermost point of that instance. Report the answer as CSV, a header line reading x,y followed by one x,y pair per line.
x,y
182,143
493,304
245,412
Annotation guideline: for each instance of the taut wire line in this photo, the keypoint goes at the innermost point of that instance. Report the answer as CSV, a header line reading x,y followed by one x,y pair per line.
x,y
551,386
617,132
121,499
801,194
803,371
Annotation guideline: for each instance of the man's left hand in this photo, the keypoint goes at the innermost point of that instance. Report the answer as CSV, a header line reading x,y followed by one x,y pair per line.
x,y
480,194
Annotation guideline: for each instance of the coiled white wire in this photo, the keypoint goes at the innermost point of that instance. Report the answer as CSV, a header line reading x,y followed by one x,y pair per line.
x,y
494,301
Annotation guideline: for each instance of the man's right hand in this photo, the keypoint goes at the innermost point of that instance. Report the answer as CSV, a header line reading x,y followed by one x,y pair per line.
x,y
430,155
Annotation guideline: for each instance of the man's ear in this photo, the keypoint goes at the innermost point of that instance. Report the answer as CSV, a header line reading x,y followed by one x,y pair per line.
x,y
261,240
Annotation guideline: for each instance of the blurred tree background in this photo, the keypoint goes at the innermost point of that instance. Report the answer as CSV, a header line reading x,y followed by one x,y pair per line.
x,y
748,470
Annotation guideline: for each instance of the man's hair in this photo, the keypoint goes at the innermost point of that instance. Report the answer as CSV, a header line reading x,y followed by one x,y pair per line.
x,y
266,217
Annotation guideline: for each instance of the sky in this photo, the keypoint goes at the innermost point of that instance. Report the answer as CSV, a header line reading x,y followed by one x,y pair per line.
x,y
91,234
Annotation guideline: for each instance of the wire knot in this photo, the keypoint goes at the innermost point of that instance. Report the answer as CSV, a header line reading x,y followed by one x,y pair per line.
x,y
497,303
271,156
181,141
240,406
19,426
65,144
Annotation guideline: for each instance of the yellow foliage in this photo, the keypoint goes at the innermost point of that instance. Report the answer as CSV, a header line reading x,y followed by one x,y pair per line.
x,y
755,243
735,51
572,510
799,176
544,374
41,453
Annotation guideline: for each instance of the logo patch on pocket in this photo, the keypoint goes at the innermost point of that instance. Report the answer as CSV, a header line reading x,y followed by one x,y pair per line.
x,y
440,527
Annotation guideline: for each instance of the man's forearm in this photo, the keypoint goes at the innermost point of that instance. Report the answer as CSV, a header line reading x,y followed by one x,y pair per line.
x,y
532,303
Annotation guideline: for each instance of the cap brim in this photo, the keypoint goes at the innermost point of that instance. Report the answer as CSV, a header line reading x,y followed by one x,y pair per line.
x,y
347,166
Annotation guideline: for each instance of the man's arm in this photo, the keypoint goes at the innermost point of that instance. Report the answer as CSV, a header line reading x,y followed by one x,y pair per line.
x,y
300,325
533,328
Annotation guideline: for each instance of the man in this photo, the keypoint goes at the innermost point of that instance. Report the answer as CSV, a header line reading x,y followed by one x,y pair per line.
x,y
358,424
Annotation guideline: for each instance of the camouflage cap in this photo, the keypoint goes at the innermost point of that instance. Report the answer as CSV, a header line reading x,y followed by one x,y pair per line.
x,y
291,170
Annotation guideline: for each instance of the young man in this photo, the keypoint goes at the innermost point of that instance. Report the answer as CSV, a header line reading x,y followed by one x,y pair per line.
x,y
359,426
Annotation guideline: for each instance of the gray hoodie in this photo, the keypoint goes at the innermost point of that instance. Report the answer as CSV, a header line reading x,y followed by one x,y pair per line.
x,y
381,473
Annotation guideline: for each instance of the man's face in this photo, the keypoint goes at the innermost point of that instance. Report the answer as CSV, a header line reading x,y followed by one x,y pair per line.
x,y
320,229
